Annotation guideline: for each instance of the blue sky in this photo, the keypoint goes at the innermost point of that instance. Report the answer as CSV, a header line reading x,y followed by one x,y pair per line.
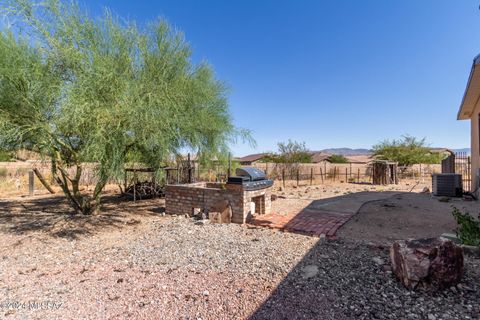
x,y
332,73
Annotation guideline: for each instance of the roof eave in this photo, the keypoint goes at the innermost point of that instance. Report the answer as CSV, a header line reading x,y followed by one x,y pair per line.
x,y
460,114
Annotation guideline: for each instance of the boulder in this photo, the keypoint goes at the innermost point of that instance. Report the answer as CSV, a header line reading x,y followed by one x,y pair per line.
x,y
431,263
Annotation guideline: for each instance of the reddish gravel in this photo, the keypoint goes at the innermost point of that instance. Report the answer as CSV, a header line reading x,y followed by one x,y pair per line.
x,y
130,262
138,267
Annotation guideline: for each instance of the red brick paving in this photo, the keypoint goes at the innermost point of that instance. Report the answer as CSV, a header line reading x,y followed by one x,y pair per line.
x,y
308,221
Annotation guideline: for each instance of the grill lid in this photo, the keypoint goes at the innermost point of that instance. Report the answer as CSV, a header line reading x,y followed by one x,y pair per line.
x,y
252,173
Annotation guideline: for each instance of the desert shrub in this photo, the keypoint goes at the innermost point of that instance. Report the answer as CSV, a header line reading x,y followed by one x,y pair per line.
x,y
468,229
3,172
293,152
338,158
406,151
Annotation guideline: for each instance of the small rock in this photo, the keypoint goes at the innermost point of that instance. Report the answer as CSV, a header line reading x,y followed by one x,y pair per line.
x,y
379,261
206,293
202,222
387,268
309,271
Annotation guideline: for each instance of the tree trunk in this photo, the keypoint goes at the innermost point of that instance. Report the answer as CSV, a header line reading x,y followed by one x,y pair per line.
x,y
43,181
81,203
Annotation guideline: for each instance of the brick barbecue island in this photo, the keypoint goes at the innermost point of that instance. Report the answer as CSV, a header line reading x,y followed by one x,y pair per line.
x,y
205,196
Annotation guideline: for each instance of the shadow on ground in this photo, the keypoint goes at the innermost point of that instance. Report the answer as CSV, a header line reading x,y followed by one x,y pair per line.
x,y
344,280
54,216
348,279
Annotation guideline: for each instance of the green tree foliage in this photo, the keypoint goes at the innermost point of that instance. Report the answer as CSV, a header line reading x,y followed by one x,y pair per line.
x,y
78,89
406,151
338,158
5,156
293,152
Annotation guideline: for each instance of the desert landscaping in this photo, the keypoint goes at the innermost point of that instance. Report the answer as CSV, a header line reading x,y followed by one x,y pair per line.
x,y
134,261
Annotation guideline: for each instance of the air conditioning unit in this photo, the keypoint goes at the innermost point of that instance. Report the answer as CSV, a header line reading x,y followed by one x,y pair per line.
x,y
447,184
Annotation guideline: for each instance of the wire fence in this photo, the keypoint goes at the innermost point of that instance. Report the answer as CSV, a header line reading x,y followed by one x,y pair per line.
x,y
15,176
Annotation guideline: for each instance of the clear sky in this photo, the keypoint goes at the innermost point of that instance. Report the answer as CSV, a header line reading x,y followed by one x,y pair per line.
x,y
331,73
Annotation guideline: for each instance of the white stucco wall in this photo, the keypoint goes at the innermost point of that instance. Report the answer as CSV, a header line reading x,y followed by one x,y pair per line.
x,y
475,148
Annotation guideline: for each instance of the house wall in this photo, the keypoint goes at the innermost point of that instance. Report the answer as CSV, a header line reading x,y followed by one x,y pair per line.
x,y
475,148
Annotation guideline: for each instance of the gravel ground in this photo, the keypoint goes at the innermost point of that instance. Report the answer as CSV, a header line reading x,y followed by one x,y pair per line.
x,y
132,263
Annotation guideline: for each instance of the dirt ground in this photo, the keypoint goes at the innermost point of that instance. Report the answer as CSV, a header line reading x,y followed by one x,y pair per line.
x,y
133,262
293,199
403,216
409,213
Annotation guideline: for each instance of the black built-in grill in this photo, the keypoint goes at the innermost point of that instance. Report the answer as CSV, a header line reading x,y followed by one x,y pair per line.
x,y
250,178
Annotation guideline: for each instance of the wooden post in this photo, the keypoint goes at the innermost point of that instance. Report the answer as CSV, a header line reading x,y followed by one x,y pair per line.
x,y
298,175
334,172
178,174
283,177
190,170
134,185
311,176
358,175
31,183
350,170
421,173
321,174
153,184
125,181
346,175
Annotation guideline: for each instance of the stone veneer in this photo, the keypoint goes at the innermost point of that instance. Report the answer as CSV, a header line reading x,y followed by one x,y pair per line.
x,y
184,198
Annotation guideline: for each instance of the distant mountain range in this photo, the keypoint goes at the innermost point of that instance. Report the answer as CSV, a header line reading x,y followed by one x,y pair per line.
x,y
363,152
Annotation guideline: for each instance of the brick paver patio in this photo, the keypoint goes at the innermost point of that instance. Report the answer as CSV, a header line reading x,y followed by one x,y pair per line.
x,y
321,217
313,222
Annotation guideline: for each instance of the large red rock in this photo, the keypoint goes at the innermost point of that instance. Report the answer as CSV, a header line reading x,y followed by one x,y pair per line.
x,y
432,263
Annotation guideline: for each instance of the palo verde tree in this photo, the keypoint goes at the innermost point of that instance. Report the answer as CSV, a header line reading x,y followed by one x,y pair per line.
x,y
406,151
293,152
78,89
